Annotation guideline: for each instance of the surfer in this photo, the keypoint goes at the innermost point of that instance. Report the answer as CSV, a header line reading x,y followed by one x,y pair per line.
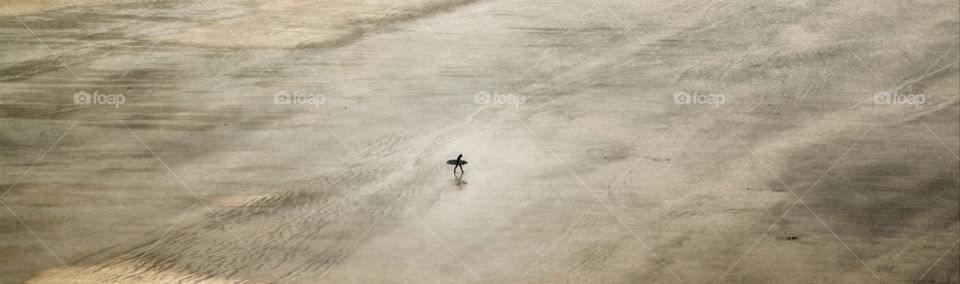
x,y
458,164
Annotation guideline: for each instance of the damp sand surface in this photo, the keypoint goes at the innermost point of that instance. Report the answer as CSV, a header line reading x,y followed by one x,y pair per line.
x,y
598,176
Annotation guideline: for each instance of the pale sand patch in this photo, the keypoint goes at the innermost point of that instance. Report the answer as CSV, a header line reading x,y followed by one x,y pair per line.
x,y
803,39
294,23
233,200
274,24
21,7
97,275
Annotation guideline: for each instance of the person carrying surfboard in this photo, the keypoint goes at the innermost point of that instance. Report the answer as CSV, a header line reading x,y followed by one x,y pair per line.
x,y
457,163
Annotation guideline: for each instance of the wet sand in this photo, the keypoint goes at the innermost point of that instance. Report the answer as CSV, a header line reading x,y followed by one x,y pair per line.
x,y
598,176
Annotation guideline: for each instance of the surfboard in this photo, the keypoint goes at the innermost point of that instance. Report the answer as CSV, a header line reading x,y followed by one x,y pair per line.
x,y
454,162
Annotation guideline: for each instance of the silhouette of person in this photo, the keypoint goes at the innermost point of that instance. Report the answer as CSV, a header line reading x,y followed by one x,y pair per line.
x,y
459,164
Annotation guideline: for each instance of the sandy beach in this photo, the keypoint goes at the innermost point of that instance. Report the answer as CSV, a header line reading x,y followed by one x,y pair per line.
x,y
658,141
